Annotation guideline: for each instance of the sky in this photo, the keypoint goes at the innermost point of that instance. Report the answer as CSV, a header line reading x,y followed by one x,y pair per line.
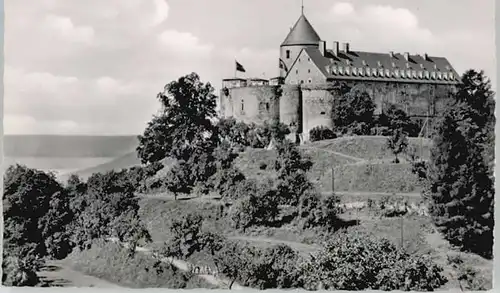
x,y
95,67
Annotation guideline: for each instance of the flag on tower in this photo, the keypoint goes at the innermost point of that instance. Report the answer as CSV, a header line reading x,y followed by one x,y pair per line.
x,y
240,67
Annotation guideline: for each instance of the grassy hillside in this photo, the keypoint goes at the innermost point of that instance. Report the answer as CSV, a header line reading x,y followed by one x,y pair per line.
x,y
68,146
369,147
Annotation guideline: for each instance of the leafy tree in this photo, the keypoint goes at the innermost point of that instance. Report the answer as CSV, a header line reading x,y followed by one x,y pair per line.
x,y
394,119
353,112
187,236
257,204
36,214
292,168
321,133
20,272
178,179
353,261
188,105
397,143
460,182
129,228
314,210
235,261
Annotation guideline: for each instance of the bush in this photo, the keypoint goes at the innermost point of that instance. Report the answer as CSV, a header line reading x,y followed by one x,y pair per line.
x,y
315,210
352,261
353,112
321,133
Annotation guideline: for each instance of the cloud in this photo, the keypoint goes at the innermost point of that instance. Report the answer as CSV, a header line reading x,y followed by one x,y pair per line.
x,y
342,8
162,10
65,27
183,42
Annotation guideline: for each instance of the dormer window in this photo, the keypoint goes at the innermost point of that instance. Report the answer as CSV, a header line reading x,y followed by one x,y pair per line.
x,y
445,76
387,73
420,75
368,71
360,71
287,54
393,64
452,76
407,65
364,63
408,73
374,71
402,73
334,70
381,72
414,74
439,75
347,71
396,73
426,74
433,75
354,71
348,62
379,64
341,70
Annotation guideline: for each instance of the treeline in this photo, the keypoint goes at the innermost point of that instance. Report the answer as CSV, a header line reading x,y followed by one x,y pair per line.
x,y
44,219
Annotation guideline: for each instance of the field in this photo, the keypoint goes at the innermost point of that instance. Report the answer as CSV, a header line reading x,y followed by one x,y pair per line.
x,y
362,170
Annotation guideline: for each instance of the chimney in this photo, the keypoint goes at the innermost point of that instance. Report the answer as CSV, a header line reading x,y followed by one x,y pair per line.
x,y
407,56
346,47
392,54
336,48
426,57
322,47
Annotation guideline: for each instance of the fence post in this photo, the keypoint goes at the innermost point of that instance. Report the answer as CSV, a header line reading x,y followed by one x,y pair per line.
x,y
333,181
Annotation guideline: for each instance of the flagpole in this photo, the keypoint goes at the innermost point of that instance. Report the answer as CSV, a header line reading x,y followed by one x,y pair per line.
x,y
235,68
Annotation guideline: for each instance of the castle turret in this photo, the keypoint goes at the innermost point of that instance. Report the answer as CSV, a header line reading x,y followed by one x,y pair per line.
x,y
302,35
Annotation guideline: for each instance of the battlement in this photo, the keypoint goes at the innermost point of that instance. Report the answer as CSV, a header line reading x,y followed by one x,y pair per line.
x,y
243,82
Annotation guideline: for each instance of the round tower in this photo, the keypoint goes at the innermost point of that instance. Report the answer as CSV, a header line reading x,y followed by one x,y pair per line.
x,y
290,109
301,36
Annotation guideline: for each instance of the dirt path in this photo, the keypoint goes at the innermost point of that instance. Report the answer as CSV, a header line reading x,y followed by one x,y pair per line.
x,y
369,193
56,274
184,266
333,152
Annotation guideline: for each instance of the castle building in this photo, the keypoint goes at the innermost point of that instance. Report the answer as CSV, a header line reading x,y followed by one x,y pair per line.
x,y
302,95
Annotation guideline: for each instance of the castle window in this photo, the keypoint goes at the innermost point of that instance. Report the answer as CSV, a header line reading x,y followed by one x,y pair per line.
x,y
296,71
308,70
302,81
242,105
287,54
309,80
267,106
323,113
309,59
299,59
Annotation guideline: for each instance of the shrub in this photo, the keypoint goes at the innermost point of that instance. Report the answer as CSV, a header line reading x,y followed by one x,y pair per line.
x,y
356,262
321,133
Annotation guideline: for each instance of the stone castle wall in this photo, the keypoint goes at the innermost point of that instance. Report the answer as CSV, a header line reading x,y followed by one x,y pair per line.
x,y
303,107
254,104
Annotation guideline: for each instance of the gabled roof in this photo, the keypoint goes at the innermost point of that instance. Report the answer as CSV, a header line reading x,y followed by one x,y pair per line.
x,y
396,62
302,33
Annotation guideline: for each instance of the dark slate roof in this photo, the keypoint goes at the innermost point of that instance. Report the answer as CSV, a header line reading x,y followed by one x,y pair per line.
x,y
331,65
302,33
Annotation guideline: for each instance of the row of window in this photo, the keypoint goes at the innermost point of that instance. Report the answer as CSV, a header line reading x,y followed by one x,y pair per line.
x,y
397,73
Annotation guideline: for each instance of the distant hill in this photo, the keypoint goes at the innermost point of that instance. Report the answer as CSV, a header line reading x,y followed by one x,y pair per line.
x,y
122,162
68,146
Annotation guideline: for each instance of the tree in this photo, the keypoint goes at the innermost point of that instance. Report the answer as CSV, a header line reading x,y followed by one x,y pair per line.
x,y
235,261
353,112
394,118
36,214
188,105
129,228
292,168
460,182
397,143
187,236
178,179
354,262
321,133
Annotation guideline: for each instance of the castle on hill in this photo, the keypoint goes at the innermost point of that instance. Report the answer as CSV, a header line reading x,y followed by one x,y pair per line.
x,y
302,97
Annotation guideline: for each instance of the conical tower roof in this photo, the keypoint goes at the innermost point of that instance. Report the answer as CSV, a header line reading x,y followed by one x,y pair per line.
x,y
302,33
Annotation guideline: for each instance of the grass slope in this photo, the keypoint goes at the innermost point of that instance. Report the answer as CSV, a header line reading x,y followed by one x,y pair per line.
x,y
111,262
369,147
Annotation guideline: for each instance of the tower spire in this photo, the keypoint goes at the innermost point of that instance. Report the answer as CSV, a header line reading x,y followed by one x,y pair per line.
x,y
302,8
